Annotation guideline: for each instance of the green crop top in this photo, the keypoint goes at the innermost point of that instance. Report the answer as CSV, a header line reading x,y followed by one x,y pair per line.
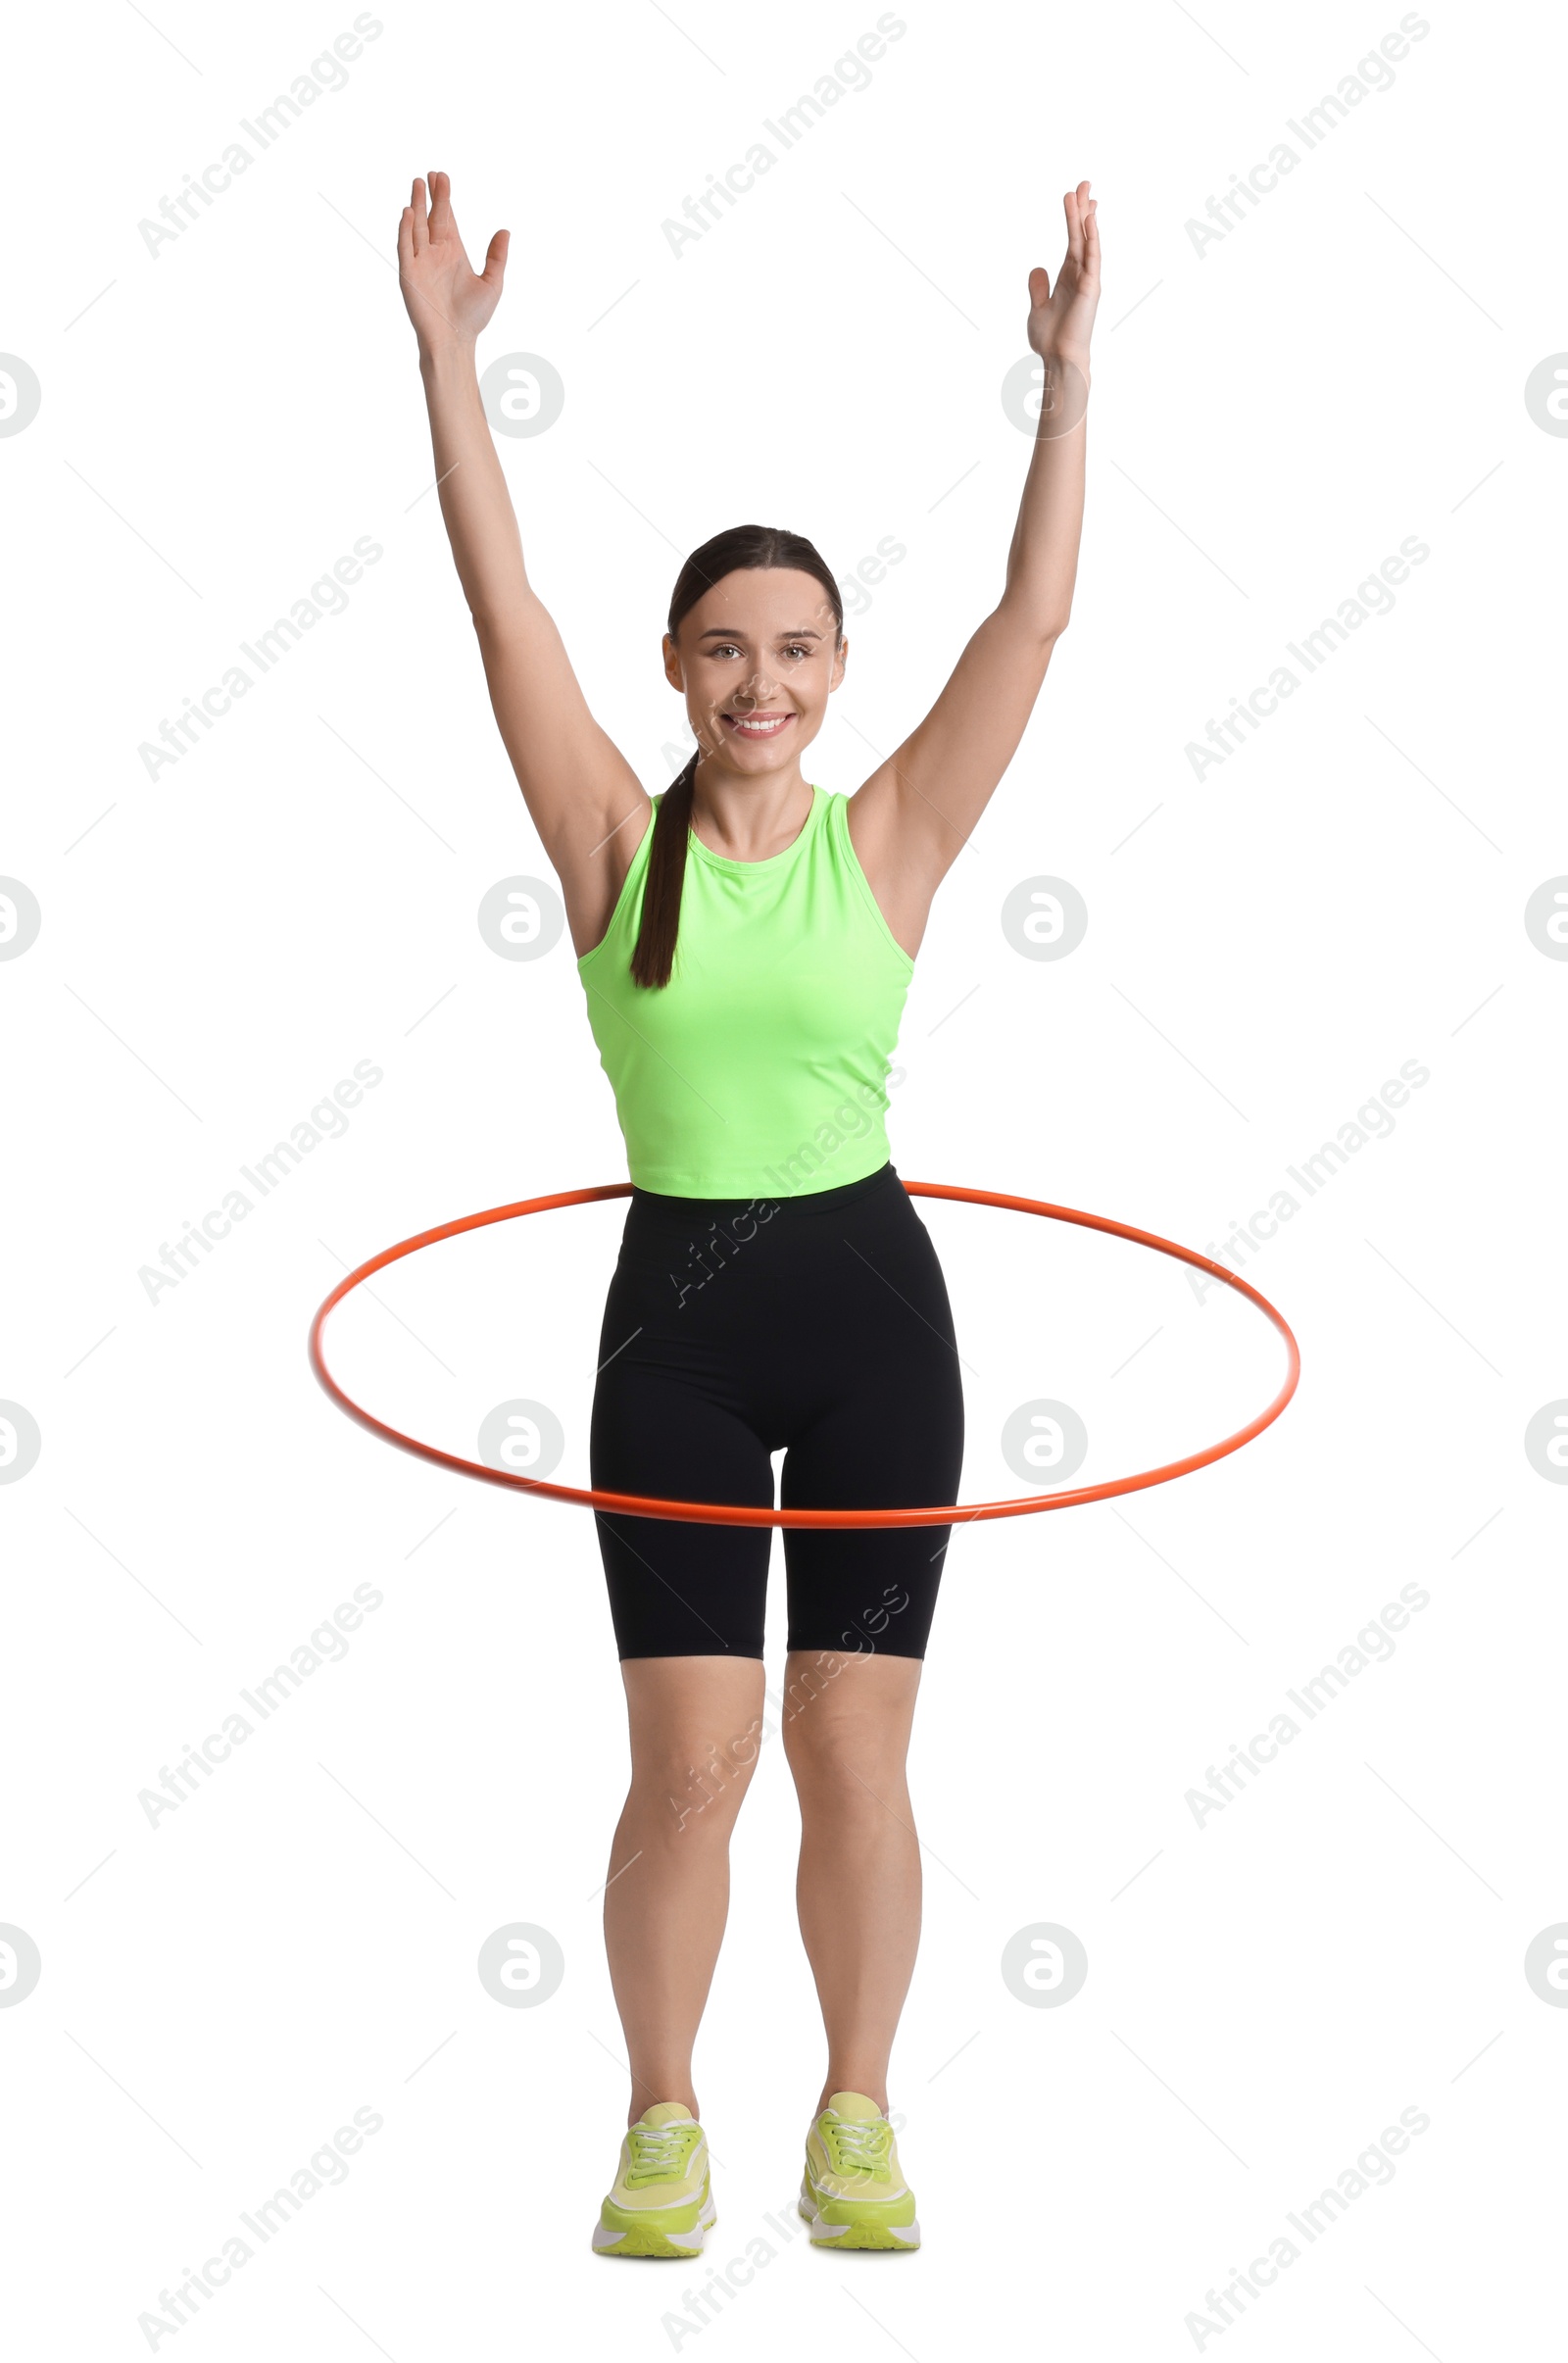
x,y
760,1068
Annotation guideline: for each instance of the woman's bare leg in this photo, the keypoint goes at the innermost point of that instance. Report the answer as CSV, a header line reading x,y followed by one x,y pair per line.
x,y
846,1733
696,1727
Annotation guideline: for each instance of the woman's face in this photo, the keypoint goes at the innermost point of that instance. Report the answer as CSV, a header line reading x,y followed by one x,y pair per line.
x,y
757,658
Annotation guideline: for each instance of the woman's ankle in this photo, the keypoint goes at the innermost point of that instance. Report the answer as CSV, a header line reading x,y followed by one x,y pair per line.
x,y
679,2091
874,2089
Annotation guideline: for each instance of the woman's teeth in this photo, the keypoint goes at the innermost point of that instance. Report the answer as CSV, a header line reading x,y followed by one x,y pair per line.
x,y
757,728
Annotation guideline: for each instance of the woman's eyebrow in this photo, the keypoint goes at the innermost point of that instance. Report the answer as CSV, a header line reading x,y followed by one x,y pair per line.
x,y
723,631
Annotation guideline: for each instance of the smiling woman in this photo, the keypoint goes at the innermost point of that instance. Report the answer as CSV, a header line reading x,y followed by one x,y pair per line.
x,y
746,941
761,650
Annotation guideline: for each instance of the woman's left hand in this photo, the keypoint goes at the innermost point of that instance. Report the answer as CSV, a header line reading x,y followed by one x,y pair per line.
x,y
1062,318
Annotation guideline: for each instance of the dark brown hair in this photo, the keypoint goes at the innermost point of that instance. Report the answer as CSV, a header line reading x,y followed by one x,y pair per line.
x,y
653,955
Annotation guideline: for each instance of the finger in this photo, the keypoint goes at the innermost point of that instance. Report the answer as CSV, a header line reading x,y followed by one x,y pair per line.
x,y
495,261
1039,285
442,225
405,240
421,229
1075,233
1091,239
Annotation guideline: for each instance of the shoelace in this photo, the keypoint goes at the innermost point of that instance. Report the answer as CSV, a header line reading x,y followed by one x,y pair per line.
x,y
658,2153
858,2144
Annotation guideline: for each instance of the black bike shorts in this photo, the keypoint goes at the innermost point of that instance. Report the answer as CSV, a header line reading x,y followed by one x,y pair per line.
x,y
815,1325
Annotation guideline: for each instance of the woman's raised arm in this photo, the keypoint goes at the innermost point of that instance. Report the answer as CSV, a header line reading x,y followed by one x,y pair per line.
x,y
910,820
585,798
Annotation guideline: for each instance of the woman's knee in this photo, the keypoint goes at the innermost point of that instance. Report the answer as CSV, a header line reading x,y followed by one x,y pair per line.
x,y
696,1728
847,1743
695,1782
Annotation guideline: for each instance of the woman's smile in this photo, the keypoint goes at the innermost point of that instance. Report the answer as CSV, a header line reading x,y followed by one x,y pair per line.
x,y
755,725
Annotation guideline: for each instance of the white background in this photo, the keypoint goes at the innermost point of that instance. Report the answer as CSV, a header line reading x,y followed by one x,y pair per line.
x,y
220,421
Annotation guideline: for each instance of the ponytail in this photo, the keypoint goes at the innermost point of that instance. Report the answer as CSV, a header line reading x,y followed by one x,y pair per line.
x,y
653,955
653,958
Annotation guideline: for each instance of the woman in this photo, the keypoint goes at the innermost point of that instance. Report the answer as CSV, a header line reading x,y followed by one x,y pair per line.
x,y
745,942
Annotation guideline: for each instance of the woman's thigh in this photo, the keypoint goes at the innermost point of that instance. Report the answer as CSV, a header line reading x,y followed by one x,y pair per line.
x,y
666,1424
886,1432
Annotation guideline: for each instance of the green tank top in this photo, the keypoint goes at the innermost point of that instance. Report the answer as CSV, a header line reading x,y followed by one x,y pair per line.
x,y
760,1068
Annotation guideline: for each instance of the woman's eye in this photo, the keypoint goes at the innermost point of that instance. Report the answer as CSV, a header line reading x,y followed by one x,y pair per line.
x,y
729,648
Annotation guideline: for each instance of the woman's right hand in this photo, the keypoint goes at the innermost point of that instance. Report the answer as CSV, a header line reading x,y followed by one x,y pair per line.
x,y
448,301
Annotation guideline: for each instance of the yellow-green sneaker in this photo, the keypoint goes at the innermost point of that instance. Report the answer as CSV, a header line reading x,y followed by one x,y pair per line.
x,y
853,2196
660,2203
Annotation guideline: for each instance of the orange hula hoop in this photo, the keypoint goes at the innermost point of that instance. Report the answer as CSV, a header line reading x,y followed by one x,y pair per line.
x,y
712,1513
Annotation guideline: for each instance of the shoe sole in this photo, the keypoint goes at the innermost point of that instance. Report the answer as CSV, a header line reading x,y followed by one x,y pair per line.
x,y
643,2239
869,2235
